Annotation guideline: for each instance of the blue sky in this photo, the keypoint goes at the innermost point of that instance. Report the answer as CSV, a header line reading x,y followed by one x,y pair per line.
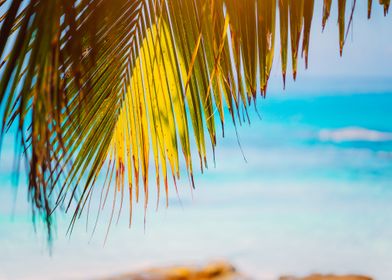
x,y
367,53
366,60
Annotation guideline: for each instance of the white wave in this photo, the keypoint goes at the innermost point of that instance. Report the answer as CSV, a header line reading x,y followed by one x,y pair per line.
x,y
349,134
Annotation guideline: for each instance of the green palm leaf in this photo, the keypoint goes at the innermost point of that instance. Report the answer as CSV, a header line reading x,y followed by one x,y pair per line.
x,y
116,88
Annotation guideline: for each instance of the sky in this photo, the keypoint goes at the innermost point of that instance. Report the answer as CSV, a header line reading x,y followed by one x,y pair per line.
x,y
366,60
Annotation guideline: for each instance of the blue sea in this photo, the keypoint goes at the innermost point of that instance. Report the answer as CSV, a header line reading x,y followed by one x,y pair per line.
x,y
313,194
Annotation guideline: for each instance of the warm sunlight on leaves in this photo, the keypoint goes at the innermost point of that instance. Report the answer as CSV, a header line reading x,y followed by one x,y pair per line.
x,y
118,88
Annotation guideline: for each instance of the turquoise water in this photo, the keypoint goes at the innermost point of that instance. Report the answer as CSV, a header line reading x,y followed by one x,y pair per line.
x,y
314,195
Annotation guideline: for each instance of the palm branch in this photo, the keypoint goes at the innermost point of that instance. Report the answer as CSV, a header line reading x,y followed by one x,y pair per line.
x,y
112,89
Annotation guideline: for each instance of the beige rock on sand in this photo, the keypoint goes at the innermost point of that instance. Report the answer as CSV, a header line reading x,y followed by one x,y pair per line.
x,y
327,277
216,271
213,271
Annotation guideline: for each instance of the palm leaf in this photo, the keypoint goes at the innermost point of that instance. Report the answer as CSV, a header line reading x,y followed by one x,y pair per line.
x,y
112,89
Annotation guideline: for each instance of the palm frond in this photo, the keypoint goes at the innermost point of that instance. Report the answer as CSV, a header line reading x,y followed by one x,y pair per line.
x,y
115,88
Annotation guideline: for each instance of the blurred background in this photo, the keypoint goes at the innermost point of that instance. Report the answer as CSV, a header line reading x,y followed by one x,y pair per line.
x,y
313,195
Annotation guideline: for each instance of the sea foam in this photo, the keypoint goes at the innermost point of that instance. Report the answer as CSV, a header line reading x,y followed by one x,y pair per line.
x,y
351,134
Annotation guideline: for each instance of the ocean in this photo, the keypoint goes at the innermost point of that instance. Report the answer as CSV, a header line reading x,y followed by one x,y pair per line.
x,y
313,194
